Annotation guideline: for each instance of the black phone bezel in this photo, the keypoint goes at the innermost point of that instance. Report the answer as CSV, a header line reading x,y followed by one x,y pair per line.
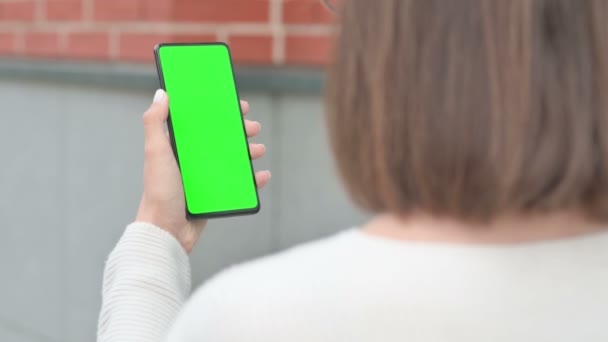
x,y
219,214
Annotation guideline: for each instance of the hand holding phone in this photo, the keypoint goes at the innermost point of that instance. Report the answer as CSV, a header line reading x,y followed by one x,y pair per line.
x,y
162,203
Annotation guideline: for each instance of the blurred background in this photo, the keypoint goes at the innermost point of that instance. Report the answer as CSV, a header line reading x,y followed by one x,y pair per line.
x,y
75,76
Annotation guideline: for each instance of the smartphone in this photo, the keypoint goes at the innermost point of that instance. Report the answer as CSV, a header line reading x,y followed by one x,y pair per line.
x,y
207,129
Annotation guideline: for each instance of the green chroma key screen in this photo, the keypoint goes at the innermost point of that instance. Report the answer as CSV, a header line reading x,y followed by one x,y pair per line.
x,y
207,129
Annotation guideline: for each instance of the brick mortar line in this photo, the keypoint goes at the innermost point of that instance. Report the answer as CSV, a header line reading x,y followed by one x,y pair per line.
x,y
278,31
40,10
62,40
169,28
316,30
114,44
19,42
87,11
222,35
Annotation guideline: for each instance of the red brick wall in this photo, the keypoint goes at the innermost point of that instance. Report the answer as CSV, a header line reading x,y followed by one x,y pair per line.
x,y
294,32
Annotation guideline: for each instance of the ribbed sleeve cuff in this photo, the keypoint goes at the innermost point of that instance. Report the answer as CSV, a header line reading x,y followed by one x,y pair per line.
x,y
146,281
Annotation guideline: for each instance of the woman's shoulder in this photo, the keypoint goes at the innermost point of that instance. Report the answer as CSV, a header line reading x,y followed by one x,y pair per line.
x,y
248,296
309,287
298,261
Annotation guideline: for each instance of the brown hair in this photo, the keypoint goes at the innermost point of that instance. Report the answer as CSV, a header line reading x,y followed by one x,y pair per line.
x,y
472,108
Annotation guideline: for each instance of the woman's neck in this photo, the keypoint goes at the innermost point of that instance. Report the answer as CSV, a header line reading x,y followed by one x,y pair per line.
x,y
505,230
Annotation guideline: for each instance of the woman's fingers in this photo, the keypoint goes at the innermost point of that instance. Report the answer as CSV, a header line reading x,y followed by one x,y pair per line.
x,y
262,178
155,117
257,151
244,107
253,128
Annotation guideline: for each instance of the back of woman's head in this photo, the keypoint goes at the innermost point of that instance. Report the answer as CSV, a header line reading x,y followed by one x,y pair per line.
x,y
472,108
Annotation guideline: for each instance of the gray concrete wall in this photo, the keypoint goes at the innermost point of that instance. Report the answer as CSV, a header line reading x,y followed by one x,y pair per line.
x,y
70,182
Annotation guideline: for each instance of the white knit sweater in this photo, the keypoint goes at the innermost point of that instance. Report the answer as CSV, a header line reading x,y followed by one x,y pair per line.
x,y
355,287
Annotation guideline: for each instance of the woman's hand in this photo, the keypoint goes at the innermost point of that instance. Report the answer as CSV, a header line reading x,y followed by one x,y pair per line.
x,y
163,203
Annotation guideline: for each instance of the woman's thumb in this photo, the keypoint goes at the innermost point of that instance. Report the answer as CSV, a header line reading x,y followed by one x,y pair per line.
x,y
155,117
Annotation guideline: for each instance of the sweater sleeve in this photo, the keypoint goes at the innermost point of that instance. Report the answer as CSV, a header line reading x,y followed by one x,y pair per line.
x,y
146,281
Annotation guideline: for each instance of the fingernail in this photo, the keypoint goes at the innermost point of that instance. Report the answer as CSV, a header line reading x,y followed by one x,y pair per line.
x,y
269,174
159,96
260,125
263,147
